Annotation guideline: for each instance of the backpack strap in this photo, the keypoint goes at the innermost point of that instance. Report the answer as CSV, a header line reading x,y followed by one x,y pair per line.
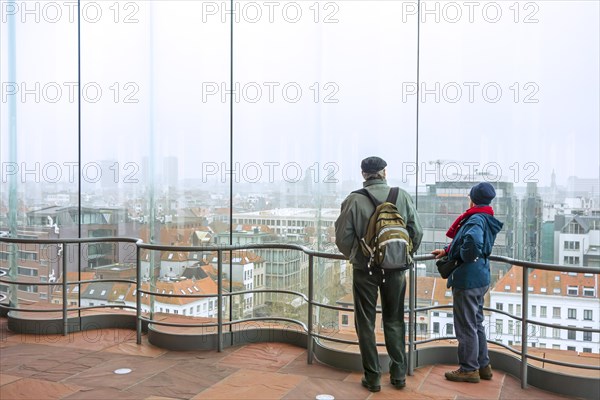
x,y
393,195
375,202
365,192
391,198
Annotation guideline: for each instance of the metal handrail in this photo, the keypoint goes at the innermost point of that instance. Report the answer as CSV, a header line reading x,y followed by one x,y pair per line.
x,y
412,309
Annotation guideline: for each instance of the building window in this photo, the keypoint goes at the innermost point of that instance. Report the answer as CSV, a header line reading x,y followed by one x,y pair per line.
x,y
589,292
499,326
510,309
533,311
587,336
542,345
571,348
436,314
28,288
556,291
587,349
436,327
543,311
556,346
556,333
571,260
571,245
571,335
572,290
518,310
499,306
449,329
575,228
27,271
572,313
542,331
345,319
510,326
555,312
587,315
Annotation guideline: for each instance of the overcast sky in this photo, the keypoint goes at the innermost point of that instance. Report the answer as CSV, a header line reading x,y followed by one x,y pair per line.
x,y
514,92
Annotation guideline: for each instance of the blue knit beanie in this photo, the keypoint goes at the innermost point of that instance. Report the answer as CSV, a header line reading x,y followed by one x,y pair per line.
x,y
482,194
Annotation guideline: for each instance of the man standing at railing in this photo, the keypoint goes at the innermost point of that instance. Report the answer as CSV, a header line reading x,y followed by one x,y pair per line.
x,y
354,217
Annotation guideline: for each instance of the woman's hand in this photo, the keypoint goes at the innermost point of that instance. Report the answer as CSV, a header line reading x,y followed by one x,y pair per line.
x,y
439,253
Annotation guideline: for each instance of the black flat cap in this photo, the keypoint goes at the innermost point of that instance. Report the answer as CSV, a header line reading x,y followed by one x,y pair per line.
x,y
372,164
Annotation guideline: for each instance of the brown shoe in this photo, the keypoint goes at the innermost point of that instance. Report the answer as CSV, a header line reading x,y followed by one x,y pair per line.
x,y
486,372
463,376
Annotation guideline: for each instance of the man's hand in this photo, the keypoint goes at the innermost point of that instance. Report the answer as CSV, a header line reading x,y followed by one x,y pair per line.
x,y
439,253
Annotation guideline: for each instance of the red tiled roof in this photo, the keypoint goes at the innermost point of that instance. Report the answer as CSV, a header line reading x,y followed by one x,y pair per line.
x,y
183,288
239,256
552,283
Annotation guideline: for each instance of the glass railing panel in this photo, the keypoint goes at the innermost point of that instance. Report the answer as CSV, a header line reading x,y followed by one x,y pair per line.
x,y
155,141
38,139
299,135
487,73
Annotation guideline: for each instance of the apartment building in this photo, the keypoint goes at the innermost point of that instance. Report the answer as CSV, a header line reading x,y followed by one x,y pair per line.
x,y
567,300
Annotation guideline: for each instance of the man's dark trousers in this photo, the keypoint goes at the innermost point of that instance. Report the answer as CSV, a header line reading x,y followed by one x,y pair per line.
x,y
392,285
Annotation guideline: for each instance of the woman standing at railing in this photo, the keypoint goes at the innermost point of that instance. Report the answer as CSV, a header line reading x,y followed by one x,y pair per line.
x,y
473,235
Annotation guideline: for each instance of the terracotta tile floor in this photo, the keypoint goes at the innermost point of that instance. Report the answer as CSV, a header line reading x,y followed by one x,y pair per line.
x,y
82,365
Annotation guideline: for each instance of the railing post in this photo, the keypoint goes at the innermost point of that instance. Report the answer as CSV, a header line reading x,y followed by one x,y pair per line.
x,y
65,299
311,265
524,325
220,300
138,298
411,319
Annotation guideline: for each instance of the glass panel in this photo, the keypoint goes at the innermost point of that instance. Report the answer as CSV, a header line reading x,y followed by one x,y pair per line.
x,y
307,109
494,107
151,137
38,142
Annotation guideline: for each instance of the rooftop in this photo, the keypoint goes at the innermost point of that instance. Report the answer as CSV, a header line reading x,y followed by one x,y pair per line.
x,y
324,213
82,366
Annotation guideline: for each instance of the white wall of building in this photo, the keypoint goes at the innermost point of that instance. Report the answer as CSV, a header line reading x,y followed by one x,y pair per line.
x,y
573,311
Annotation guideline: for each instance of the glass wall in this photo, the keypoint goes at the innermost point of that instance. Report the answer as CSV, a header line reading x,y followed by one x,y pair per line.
x,y
194,123
507,96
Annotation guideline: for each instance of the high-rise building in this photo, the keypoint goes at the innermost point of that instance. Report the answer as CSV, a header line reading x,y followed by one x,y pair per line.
x,y
445,201
531,210
170,172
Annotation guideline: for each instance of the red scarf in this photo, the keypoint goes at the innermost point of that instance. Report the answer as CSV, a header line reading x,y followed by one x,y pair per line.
x,y
453,230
